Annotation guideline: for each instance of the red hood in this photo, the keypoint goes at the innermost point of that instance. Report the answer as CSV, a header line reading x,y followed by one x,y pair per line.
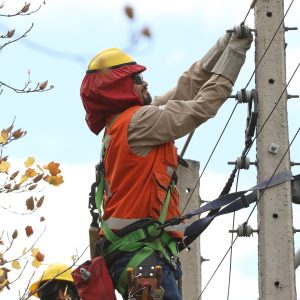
x,y
108,92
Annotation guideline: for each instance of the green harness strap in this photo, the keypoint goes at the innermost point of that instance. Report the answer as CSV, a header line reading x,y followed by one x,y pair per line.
x,y
133,241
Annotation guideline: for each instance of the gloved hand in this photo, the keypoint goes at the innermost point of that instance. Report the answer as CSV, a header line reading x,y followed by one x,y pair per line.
x,y
233,57
240,44
212,56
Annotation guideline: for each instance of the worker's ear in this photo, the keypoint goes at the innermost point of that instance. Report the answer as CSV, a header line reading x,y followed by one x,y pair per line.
x,y
63,294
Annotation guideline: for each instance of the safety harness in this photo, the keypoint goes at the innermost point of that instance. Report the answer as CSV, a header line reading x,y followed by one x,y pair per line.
x,y
143,237
146,236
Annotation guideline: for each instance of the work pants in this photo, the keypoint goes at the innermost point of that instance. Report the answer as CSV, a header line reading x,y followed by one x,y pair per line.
x,y
169,278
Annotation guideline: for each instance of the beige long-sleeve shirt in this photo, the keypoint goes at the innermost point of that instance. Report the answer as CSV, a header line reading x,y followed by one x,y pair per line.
x,y
196,98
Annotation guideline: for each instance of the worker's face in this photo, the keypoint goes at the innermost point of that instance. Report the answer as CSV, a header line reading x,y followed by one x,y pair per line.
x,y
141,88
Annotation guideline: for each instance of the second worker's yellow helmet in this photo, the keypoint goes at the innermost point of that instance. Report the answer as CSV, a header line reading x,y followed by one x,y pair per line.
x,y
57,271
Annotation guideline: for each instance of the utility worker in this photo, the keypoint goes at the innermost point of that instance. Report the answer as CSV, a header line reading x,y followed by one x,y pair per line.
x,y
139,154
56,283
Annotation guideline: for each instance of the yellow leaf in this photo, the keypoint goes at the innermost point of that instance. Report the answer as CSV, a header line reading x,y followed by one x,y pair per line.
x,y
23,179
3,284
29,162
31,172
16,265
54,180
4,166
74,257
36,263
1,272
3,136
35,251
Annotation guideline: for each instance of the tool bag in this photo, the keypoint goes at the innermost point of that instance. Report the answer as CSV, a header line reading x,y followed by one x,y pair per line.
x,y
93,281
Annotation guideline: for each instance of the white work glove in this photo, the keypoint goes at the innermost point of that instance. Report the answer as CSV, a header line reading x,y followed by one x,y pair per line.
x,y
212,56
233,57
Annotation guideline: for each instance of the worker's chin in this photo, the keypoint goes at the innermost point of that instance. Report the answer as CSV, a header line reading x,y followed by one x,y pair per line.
x,y
147,99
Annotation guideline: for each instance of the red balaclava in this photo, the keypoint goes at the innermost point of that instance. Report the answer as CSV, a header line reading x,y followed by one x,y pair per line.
x,y
108,92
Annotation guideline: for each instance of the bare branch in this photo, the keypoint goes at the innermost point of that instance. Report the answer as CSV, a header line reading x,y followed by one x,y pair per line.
x,y
25,90
27,287
22,12
18,213
19,274
20,37
27,251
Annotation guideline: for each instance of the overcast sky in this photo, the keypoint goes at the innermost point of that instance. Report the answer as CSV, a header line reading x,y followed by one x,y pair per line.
x,y
65,36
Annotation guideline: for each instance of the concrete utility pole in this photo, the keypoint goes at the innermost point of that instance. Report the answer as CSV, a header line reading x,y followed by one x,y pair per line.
x,y
276,241
190,260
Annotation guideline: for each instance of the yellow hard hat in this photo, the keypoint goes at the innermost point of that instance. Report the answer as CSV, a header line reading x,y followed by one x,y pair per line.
x,y
110,58
50,272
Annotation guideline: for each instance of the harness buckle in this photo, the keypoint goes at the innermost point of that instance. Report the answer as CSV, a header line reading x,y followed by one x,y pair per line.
x,y
153,231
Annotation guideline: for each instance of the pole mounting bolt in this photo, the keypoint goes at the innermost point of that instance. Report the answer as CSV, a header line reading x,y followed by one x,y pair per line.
x,y
273,148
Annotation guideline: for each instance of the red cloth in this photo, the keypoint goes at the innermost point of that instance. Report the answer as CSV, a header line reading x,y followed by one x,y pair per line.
x,y
98,284
108,92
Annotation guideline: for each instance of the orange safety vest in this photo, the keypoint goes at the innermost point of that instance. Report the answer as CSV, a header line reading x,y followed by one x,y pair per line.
x,y
136,186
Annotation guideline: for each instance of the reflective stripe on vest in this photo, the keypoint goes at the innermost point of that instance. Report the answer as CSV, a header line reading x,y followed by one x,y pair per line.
x,y
119,223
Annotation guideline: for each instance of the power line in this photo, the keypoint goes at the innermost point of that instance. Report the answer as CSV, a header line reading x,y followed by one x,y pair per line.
x,y
231,249
233,242
284,154
248,149
265,52
211,154
276,103
220,263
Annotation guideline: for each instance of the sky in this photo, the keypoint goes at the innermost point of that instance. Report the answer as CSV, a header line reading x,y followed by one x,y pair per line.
x,y
65,36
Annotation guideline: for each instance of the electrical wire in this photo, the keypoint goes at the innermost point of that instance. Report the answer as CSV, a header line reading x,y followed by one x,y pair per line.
x,y
261,194
231,249
247,151
276,103
211,154
217,268
273,174
266,50
191,134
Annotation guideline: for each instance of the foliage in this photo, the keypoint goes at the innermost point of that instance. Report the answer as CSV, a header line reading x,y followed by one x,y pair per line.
x,y
31,179
17,181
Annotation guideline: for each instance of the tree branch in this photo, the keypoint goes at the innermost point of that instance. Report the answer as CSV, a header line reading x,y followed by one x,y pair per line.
x,y
20,37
